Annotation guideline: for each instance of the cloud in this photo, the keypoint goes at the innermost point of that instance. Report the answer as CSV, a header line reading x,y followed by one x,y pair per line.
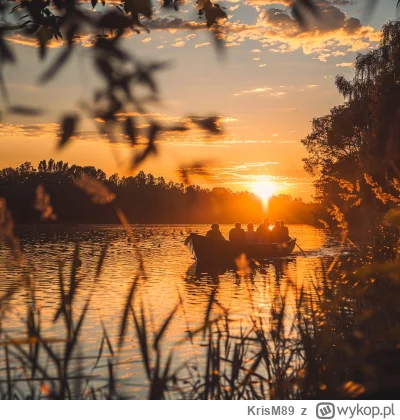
x,y
174,23
278,94
27,130
203,44
190,36
256,90
278,32
336,34
178,44
275,29
195,136
259,3
246,174
349,64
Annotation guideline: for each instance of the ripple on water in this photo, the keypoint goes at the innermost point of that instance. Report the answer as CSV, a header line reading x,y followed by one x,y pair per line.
x,y
170,272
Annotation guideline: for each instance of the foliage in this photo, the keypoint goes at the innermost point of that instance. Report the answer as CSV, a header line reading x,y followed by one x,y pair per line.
x,y
345,345
353,151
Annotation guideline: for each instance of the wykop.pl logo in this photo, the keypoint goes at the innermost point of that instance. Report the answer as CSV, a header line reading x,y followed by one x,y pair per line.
x,y
325,410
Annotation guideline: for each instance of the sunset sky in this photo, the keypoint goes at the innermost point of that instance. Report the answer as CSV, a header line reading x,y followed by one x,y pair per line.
x,y
274,79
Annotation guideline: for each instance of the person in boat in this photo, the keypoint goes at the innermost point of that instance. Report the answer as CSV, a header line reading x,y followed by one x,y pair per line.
x,y
277,232
263,233
251,236
237,234
285,232
215,233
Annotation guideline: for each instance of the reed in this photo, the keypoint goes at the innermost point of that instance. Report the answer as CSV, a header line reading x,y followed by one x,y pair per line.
x,y
337,342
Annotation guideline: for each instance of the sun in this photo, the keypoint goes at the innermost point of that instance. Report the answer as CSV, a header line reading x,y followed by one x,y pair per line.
x,y
264,190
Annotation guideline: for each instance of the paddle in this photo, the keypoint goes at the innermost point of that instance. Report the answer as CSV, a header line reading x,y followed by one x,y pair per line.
x,y
300,249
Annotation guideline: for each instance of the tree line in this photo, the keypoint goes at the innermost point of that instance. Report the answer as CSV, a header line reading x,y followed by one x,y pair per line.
x,y
144,198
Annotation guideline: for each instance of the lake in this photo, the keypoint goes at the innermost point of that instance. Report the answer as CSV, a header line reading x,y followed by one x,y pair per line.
x,y
170,275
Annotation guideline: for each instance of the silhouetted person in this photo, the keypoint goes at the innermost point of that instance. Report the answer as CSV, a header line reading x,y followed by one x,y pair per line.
x,y
263,233
284,231
237,234
215,233
277,232
251,236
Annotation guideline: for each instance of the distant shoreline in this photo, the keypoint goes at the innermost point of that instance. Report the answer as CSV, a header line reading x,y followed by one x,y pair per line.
x,y
61,225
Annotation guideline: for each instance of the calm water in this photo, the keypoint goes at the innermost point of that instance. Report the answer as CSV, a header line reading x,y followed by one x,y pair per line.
x,y
170,272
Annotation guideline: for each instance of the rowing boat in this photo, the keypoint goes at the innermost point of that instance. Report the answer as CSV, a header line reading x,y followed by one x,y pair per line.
x,y
207,249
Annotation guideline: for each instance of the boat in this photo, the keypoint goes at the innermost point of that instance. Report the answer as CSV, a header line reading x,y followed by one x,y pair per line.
x,y
210,250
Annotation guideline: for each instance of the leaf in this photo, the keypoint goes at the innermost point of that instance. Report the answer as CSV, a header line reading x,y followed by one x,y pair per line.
x,y
213,13
5,52
150,149
44,35
56,66
153,132
124,318
101,260
195,169
74,339
211,124
114,20
130,130
164,327
208,311
298,14
25,110
105,68
68,127
309,5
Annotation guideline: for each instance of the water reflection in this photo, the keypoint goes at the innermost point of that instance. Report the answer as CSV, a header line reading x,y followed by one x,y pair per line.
x,y
171,275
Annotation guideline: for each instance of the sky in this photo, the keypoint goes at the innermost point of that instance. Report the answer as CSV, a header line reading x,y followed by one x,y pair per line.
x,y
273,80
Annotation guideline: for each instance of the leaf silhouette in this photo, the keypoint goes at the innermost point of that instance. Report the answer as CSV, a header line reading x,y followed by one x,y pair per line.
x,y
56,66
124,318
5,52
114,20
44,35
297,10
130,130
25,110
140,157
213,12
153,132
150,148
211,124
195,169
68,127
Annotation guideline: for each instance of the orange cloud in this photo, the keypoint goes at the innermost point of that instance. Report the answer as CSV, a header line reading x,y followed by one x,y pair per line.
x,y
334,34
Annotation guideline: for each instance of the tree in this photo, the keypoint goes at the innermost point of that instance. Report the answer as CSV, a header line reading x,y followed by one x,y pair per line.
x,y
354,151
162,202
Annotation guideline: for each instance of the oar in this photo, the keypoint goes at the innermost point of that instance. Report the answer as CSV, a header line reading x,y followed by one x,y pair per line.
x,y
298,246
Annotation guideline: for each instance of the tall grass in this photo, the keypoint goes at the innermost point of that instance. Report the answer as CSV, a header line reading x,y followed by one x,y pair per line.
x,y
338,340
